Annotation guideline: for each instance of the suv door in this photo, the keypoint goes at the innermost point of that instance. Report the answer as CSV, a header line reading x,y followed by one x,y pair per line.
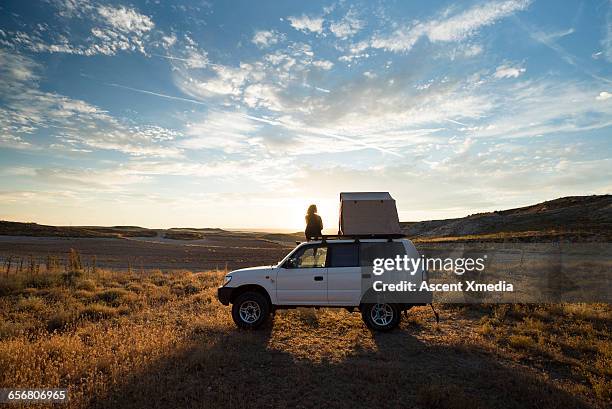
x,y
302,279
344,274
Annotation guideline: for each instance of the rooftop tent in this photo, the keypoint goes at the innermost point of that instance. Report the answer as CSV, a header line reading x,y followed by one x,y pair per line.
x,y
368,213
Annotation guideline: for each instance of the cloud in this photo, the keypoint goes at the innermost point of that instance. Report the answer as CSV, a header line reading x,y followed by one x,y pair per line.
x,y
126,20
187,52
169,40
111,30
11,141
265,39
455,28
348,26
465,51
323,64
603,96
74,124
554,36
509,71
549,40
530,109
275,74
262,95
465,24
307,24
225,81
87,179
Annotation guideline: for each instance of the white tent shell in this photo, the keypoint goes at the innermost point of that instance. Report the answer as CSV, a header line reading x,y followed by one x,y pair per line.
x,y
368,213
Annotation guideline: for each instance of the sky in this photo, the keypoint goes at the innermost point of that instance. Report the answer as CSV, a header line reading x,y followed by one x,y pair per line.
x,y
239,114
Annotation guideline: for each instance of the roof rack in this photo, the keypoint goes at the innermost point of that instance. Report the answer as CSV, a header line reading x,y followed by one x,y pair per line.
x,y
357,237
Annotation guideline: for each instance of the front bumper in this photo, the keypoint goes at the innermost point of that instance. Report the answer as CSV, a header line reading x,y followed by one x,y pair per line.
x,y
224,294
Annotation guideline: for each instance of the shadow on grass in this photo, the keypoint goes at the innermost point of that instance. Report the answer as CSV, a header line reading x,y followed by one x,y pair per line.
x,y
230,368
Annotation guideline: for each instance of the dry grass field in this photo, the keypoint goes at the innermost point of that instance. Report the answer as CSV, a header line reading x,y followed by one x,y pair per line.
x,y
152,339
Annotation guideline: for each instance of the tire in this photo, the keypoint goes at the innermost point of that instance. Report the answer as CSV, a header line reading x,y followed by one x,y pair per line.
x,y
381,317
250,310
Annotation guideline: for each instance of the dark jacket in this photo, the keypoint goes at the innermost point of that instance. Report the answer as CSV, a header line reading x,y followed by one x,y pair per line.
x,y
314,226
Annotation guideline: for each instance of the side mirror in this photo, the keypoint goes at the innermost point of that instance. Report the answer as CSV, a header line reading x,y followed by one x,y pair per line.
x,y
291,263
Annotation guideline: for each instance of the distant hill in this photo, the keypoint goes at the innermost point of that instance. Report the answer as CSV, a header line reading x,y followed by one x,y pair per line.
x,y
574,217
212,235
41,230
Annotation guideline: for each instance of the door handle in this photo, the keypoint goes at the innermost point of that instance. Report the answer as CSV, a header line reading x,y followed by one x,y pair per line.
x,y
318,278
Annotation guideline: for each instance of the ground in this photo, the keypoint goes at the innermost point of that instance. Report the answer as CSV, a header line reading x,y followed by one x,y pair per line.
x,y
153,339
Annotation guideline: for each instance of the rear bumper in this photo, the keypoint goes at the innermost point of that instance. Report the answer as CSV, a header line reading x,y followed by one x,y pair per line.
x,y
224,294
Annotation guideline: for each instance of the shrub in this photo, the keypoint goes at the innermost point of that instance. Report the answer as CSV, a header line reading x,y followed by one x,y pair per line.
x,y
602,387
88,285
185,288
135,288
486,328
98,311
31,304
113,296
9,286
61,320
71,277
159,295
532,326
521,341
39,281
84,294
10,329
58,294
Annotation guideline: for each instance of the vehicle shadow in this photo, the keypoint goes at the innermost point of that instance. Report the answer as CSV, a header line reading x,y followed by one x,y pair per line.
x,y
226,367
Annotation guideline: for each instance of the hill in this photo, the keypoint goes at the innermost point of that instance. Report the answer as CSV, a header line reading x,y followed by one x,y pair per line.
x,y
40,230
573,217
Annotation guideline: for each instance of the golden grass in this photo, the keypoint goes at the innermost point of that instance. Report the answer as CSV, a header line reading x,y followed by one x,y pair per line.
x,y
162,340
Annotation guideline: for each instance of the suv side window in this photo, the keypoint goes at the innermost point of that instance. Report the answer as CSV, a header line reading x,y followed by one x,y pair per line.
x,y
310,257
344,255
372,250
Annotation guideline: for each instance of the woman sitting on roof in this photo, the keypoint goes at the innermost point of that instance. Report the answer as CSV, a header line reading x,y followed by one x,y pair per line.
x,y
314,223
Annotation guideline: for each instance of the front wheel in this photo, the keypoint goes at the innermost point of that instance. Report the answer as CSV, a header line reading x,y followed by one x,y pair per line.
x,y
250,310
381,317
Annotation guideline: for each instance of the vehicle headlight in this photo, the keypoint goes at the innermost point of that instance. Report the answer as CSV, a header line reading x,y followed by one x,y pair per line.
x,y
226,280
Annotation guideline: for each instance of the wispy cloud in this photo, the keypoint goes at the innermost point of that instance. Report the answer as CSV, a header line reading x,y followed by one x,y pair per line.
x,y
111,29
266,38
347,26
550,41
307,24
26,109
509,71
453,28
125,19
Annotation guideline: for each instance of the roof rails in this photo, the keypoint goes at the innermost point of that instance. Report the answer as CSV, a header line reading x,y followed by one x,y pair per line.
x,y
356,237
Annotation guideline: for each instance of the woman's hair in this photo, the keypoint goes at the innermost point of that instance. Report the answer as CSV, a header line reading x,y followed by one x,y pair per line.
x,y
312,209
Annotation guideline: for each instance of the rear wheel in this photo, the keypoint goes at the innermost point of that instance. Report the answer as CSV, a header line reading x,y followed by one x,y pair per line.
x,y
250,310
381,317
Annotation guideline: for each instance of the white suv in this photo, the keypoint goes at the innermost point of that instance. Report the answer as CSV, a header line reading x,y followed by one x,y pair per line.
x,y
332,272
